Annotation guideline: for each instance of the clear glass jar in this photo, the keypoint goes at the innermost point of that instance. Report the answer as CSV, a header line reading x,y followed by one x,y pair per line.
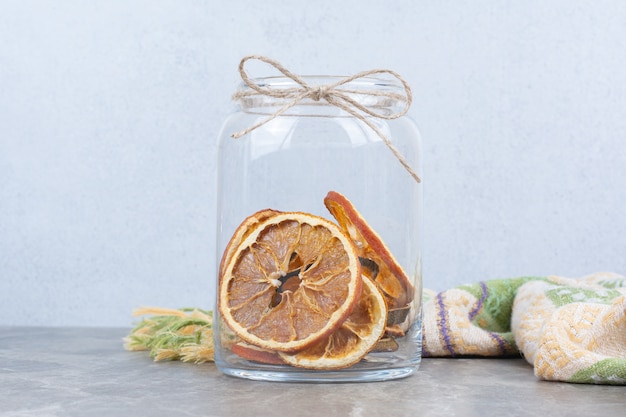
x,y
290,164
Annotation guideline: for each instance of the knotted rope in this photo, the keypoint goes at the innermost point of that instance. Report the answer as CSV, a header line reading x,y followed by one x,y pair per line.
x,y
338,97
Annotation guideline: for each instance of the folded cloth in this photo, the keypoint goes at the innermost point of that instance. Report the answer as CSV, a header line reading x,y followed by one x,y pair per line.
x,y
571,330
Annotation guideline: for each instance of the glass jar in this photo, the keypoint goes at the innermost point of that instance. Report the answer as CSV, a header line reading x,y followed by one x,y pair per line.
x,y
290,164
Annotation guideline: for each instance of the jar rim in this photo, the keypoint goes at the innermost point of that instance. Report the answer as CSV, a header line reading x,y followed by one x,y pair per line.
x,y
386,95
317,80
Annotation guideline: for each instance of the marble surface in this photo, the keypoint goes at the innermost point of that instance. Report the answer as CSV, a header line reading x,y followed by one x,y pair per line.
x,y
86,372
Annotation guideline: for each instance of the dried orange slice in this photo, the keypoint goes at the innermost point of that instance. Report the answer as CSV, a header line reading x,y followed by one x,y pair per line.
x,y
291,281
379,264
356,337
256,354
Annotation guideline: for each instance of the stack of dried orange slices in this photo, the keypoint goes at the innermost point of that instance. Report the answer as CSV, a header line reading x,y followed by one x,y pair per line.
x,y
298,289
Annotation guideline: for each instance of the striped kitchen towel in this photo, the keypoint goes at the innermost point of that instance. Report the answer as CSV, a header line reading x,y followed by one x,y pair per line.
x,y
571,330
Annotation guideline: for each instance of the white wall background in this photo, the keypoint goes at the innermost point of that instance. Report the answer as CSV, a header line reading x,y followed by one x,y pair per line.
x,y
109,112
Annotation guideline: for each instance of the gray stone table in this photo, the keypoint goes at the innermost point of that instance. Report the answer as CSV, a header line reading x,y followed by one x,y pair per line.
x,y
86,372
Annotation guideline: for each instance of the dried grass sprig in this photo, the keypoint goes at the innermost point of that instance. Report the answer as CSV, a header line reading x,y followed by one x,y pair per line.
x,y
184,334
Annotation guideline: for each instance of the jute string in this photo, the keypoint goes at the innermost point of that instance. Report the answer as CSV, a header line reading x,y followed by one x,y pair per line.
x,y
333,95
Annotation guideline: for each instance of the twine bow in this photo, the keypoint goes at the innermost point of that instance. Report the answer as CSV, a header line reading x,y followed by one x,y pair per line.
x,y
333,95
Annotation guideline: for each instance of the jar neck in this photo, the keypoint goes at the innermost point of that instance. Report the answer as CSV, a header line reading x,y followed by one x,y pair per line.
x,y
379,95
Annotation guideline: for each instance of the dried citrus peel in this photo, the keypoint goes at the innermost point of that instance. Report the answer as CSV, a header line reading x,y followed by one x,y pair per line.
x,y
378,261
289,294
256,354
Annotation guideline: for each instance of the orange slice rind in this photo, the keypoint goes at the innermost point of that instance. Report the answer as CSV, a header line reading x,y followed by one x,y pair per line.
x,y
256,354
243,230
